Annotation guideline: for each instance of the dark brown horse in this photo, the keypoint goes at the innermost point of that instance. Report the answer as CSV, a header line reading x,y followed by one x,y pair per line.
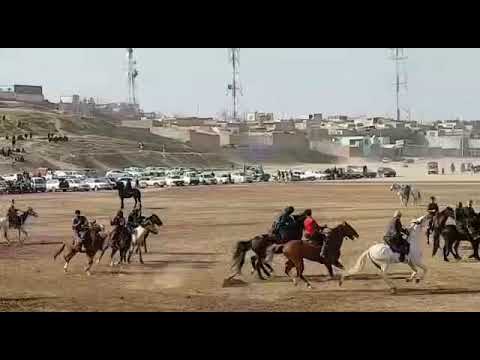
x,y
438,226
259,245
94,242
297,250
452,237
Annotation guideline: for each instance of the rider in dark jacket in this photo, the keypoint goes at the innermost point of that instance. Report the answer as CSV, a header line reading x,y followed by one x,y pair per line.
x,y
393,236
284,223
469,211
80,228
134,219
119,224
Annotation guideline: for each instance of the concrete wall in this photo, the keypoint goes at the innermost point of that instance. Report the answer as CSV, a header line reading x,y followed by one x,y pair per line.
x,y
294,141
178,134
143,124
330,148
7,95
21,97
444,142
204,142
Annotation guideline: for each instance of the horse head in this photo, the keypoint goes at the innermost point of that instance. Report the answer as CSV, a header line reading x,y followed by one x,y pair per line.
x,y
155,220
150,226
349,231
31,212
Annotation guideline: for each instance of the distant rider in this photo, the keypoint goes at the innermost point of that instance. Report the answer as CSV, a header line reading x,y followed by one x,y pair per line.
x,y
12,215
393,236
80,229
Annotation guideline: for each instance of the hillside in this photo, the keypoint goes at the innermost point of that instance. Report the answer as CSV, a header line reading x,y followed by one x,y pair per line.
x,y
97,143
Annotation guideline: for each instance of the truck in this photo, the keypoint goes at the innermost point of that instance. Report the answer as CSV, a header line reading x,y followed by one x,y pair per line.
x,y
432,168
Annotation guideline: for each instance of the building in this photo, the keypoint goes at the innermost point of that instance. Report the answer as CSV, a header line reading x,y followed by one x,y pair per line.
x,y
24,93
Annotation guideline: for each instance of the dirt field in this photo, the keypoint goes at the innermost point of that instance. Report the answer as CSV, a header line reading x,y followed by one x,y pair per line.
x,y
189,259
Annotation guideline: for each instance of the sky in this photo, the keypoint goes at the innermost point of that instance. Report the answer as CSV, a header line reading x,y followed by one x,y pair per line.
x,y
442,83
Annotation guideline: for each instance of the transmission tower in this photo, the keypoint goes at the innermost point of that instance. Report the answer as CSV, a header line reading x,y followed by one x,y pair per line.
x,y
398,56
132,75
234,87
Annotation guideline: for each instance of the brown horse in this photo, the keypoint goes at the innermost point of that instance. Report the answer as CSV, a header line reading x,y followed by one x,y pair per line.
x,y
297,250
94,242
19,224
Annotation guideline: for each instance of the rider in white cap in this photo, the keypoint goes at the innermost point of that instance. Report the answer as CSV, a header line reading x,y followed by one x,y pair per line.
x,y
393,236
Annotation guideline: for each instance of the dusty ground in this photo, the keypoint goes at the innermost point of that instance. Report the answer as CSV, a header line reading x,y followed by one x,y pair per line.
x,y
189,259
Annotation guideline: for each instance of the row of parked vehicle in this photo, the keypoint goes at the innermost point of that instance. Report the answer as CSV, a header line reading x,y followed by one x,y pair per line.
x,y
348,173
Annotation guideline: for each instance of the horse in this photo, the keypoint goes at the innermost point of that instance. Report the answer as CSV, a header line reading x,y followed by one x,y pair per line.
x,y
439,222
127,241
382,256
404,192
452,238
297,250
22,222
94,242
259,245
135,193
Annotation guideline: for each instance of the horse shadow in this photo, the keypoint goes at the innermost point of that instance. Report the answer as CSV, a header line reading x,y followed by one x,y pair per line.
x,y
184,253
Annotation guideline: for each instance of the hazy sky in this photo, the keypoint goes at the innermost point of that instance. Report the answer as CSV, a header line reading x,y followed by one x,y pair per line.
x,y
443,83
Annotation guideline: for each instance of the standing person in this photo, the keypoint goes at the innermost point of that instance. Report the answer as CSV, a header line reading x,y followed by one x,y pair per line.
x,y
443,171
14,141
31,135
452,168
364,170
432,210
469,212
229,178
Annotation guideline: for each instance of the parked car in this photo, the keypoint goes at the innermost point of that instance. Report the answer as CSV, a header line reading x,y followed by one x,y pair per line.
x,y
115,174
223,179
53,185
10,177
432,168
191,178
386,172
241,178
73,185
318,175
207,179
39,184
3,186
174,180
152,181
96,184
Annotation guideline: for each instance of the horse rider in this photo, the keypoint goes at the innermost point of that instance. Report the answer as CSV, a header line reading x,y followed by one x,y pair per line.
x,y
80,228
128,187
12,214
283,223
432,210
470,211
393,236
312,231
461,220
134,219
119,224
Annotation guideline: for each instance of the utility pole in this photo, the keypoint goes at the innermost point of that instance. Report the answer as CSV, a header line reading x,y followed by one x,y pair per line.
x,y
398,56
132,76
234,87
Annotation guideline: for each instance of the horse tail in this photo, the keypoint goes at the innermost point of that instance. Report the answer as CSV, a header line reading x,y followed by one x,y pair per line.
x,y
360,264
277,249
239,255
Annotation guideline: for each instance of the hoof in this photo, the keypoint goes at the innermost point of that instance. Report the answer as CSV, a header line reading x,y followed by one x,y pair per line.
x,y
417,281
445,259
393,291
309,287
408,280
89,273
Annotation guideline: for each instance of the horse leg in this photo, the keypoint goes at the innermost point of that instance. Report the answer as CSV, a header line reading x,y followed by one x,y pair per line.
x,y
25,233
414,272
446,249
270,268
140,254
455,254
389,282
259,261
59,251
253,260
263,268
330,270
424,274
289,265
68,258
300,269
114,250
90,263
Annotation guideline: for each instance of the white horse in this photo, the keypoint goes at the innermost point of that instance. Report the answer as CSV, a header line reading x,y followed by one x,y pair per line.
x,y
24,222
382,256
140,233
404,192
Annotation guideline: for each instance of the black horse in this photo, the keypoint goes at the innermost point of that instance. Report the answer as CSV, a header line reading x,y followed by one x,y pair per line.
x,y
259,244
452,237
127,194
